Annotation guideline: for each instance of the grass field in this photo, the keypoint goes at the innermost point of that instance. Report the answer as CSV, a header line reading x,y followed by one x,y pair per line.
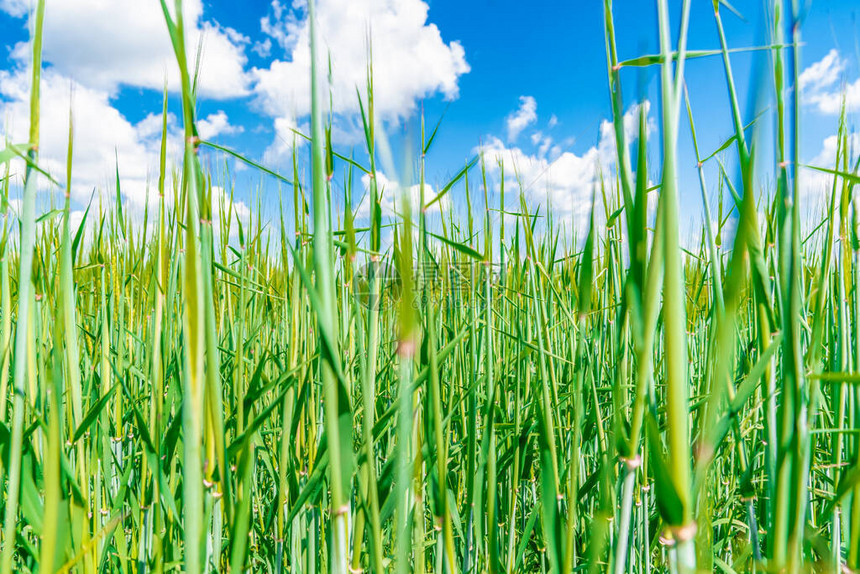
x,y
487,393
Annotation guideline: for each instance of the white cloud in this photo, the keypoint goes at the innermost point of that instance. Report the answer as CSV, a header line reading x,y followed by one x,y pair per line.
x,y
815,186
543,143
104,44
16,8
285,137
101,133
216,124
824,86
103,139
281,25
831,102
519,120
220,197
410,59
263,49
391,194
823,73
562,181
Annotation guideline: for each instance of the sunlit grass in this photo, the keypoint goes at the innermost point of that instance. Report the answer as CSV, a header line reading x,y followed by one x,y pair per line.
x,y
489,393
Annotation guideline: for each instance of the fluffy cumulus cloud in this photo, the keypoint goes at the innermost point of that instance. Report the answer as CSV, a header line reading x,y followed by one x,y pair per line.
x,y
823,73
522,118
411,60
555,179
104,138
285,137
824,85
102,46
391,195
102,133
816,186
15,8
105,44
91,49
217,124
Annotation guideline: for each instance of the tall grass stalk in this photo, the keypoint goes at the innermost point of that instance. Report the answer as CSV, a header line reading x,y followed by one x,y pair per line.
x,y
26,295
446,376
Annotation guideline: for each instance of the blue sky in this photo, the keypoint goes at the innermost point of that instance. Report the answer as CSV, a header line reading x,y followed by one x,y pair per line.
x,y
482,63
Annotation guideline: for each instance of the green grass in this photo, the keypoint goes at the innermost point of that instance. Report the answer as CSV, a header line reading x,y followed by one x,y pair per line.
x,y
487,394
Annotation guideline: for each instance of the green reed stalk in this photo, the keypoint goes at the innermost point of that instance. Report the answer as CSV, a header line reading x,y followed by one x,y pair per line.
x,y
25,301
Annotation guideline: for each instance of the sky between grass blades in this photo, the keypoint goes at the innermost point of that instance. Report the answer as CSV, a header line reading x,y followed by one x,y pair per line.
x,y
525,82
